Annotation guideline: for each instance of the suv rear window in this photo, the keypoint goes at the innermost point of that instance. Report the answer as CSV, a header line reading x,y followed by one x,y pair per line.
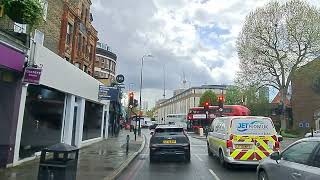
x,y
256,126
169,131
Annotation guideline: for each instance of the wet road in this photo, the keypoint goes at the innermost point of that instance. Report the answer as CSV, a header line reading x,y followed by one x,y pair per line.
x,y
201,167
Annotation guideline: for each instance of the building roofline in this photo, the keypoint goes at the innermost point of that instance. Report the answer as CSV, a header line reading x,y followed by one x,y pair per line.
x,y
223,87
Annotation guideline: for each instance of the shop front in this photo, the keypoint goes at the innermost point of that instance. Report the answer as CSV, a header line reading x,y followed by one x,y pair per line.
x,y
62,107
12,59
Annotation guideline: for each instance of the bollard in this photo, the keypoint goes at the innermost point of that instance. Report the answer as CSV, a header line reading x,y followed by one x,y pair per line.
x,y
127,149
135,134
201,132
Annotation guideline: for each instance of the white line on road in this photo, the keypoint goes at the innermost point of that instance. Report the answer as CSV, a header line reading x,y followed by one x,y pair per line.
x,y
198,145
198,157
214,174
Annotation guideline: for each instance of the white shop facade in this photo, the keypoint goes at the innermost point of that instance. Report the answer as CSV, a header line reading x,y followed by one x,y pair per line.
x,y
63,107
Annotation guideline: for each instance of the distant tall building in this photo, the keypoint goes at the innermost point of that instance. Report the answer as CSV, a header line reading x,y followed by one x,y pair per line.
x,y
105,65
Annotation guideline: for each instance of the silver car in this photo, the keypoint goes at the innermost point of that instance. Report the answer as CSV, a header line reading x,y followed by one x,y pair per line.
x,y
299,161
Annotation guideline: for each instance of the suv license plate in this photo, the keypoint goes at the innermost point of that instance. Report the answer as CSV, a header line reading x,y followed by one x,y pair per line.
x,y
169,141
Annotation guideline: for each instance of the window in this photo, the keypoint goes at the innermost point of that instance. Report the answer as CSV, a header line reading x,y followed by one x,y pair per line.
x,y
77,65
38,37
69,33
45,8
83,44
20,28
67,59
299,153
79,43
85,68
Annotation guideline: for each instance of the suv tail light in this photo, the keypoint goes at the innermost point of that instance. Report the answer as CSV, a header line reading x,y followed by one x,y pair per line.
x,y
229,144
276,146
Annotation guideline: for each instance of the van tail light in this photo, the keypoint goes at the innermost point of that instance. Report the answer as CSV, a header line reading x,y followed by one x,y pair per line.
x,y
276,146
229,144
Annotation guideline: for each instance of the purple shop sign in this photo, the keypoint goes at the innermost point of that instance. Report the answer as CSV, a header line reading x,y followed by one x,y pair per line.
x,y
32,75
11,58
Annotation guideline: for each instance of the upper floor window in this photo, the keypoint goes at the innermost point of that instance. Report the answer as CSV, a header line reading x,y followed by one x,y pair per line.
x,y
69,33
77,65
79,43
85,68
38,37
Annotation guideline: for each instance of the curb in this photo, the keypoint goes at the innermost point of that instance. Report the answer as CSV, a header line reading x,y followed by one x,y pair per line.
x,y
124,165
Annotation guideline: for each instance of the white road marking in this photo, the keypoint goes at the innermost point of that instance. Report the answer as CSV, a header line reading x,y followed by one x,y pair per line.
x,y
214,174
198,157
196,145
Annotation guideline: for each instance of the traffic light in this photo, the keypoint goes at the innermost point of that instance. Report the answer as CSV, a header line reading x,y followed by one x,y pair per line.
x,y
206,105
131,99
220,101
135,103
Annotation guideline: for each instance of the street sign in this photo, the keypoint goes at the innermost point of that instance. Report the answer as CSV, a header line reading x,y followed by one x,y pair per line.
x,y
103,92
32,75
304,125
120,78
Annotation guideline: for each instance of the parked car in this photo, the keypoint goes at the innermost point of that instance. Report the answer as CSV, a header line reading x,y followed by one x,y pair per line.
x,y
315,134
242,139
299,161
169,140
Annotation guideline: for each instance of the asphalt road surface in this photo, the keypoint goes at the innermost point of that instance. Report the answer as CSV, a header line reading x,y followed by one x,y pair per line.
x,y
201,167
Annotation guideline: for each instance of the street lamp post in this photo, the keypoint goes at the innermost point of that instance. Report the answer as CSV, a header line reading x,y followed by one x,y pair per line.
x,y
140,99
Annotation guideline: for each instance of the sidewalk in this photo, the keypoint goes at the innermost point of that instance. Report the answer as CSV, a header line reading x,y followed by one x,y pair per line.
x,y
197,136
96,162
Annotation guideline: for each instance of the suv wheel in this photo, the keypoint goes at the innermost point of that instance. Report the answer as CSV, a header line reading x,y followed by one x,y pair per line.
x,y
152,159
187,156
222,161
262,175
209,151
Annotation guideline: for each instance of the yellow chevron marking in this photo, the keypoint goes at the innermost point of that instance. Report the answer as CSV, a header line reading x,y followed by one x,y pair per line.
x,y
247,155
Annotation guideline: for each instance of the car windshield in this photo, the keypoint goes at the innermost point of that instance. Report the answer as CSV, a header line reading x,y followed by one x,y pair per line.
x,y
168,131
95,81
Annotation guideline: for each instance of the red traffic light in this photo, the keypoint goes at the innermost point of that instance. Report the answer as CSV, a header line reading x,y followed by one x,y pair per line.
x,y
206,103
221,99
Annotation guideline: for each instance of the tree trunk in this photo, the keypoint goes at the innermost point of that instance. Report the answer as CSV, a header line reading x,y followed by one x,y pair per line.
x,y
283,109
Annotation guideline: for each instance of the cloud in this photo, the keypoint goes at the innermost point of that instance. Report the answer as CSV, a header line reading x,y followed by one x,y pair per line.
x,y
194,39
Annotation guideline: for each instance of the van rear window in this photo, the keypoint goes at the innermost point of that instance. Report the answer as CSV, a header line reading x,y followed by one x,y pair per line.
x,y
259,126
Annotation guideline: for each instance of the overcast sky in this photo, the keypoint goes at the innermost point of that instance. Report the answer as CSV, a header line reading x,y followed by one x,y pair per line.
x,y
191,37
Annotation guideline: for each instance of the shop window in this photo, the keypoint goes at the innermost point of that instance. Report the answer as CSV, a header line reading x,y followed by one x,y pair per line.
x,y
92,121
42,121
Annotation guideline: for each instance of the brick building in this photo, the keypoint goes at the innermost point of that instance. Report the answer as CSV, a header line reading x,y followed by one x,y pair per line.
x,y
305,100
68,32
105,64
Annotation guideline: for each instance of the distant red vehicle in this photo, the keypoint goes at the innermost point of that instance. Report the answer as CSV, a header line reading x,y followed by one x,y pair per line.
x,y
198,118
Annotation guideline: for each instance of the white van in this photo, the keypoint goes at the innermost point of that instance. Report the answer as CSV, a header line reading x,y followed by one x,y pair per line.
x,y
177,119
242,139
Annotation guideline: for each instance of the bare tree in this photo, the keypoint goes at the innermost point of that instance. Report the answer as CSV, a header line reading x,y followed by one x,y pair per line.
x,y
275,41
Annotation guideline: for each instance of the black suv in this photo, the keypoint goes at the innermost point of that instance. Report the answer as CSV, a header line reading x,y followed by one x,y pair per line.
x,y
169,140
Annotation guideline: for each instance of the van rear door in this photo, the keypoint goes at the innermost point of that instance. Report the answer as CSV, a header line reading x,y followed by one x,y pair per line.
x,y
254,138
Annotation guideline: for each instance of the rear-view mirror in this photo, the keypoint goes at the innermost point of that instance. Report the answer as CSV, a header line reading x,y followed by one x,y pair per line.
x,y
275,156
151,133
